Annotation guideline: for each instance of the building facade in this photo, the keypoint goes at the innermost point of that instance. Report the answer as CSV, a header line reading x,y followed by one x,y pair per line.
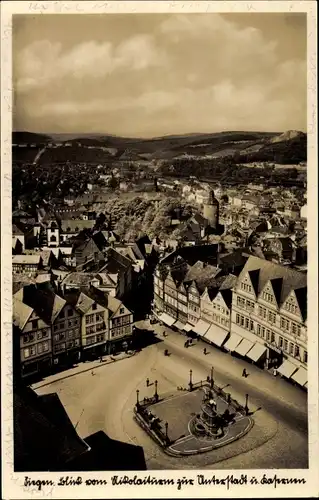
x,y
269,308
120,325
66,334
34,340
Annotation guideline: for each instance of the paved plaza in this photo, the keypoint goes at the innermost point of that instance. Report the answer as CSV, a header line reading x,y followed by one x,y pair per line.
x,y
179,411
105,401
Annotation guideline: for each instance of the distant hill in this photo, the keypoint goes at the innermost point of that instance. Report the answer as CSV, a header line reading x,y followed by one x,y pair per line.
x,y
29,138
287,147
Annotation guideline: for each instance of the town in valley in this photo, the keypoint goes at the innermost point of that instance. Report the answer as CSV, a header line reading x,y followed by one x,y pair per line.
x,y
159,265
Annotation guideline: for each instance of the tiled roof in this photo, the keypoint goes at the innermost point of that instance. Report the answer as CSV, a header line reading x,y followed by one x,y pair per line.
x,y
21,313
113,304
191,254
44,301
76,225
26,259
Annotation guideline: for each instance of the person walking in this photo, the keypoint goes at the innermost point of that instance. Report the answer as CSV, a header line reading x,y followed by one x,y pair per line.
x,y
205,351
244,374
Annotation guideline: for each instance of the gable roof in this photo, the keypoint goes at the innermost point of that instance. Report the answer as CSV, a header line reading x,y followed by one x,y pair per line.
x,y
26,259
191,254
44,301
21,313
283,279
16,231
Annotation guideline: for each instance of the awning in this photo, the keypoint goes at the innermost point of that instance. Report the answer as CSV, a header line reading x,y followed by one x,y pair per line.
x,y
233,342
256,352
244,346
301,376
201,327
179,325
287,369
188,327
216,335
167,319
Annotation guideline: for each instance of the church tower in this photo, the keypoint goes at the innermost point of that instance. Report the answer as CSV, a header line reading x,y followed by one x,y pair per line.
x,y
211,211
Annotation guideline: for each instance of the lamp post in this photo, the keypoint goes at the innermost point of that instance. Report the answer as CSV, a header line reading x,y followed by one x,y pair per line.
x,y
155,393
137,393
246,404
190,380
166,428
212,377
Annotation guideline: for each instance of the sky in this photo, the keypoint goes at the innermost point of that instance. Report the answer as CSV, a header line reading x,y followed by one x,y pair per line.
x,y
146,75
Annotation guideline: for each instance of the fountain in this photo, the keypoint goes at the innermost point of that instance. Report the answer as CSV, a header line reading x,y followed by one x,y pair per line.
x,y
209,423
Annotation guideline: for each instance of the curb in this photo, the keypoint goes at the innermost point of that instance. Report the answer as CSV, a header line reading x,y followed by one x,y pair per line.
x,y
100,365
211,448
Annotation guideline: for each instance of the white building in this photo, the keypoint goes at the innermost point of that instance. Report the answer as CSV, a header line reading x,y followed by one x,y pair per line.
x,y
269,317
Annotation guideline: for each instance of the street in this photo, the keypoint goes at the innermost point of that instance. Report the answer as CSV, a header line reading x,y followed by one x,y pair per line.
x,y
104,401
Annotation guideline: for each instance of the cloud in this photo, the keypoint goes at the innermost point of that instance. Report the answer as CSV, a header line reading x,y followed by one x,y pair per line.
x,y
44,62
187,73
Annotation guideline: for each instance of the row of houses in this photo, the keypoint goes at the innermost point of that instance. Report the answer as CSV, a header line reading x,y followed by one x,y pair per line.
x,y
259,314
57,328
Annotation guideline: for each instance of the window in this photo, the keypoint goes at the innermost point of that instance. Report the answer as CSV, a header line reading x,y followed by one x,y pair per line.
x,y
99,317
262,331
268,297
268,335
271,317
94,306
281,341
295,328
246,323
251,325
122,310
26,353
25,339
245,287
70,312
291,307
297,351
258,329
55,328
291,348
53,237
39,335
34,324
33,350
285,345
45,346
262,312
40,348
250,305
284,324
305,357
89,319
240,301
273,338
